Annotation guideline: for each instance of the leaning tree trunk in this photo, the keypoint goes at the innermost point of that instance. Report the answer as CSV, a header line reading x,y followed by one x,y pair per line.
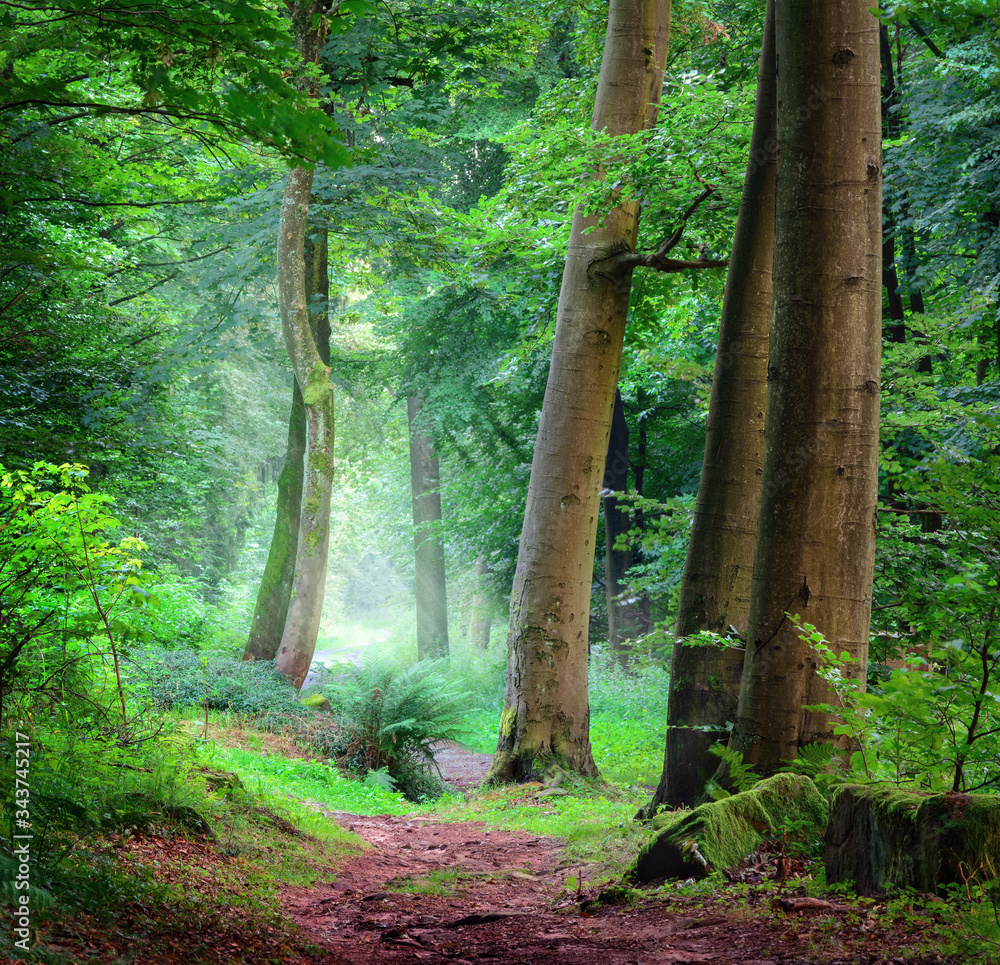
x,y
546,714
816,538
622,613
428,541
715,588
300,326
298,642
275,592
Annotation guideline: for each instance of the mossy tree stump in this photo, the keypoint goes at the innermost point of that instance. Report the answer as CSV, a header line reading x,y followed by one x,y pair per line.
x,y
720,834
879,836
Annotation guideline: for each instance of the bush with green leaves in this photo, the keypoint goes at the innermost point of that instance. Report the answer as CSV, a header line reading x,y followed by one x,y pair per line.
x,y
392,717
934,724
68,594
191,678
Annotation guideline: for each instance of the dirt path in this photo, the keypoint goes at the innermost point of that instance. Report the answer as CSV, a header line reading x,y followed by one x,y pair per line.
x,y
432,893
435,893
502,902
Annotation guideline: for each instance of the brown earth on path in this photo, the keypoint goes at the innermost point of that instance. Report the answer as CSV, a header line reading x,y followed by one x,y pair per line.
x,y
430,893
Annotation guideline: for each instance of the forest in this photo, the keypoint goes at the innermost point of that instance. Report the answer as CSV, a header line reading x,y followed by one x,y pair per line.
x,y
499,483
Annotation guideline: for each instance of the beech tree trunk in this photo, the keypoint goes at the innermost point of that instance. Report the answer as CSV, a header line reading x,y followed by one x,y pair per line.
x,y
715,588
481,615
301,307
428,541
816,538
275,591
622,613
298,642
546,715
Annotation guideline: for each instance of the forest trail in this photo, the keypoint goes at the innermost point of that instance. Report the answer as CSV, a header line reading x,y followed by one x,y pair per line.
x,y
429,892
434,893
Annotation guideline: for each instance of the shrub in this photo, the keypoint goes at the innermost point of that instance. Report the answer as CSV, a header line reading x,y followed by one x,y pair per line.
x,y
185,678
391,718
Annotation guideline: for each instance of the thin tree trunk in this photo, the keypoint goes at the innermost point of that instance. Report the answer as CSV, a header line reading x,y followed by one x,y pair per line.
x,y
890,129
816,539
715,588
644,616
481,617
428,541
622,613
546,714
275,592
298,642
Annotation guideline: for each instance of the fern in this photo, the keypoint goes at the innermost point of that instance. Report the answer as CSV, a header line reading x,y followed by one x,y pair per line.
x,y
741,776
391,719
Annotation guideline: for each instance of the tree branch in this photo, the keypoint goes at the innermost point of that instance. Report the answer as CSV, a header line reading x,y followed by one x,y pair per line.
x,y
621,262
925,37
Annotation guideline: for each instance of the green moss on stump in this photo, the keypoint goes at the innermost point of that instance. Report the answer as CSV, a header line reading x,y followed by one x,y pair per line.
x,y
721,833
317,702
880,836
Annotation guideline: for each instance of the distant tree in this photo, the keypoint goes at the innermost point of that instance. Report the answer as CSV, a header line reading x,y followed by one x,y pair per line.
x,y
428,539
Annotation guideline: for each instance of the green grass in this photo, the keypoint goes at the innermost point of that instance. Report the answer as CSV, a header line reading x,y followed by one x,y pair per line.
x,y
627,749
308,781
440,881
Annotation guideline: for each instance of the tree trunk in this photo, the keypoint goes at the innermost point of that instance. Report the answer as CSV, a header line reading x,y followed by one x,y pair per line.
x,y
644,615
546,713
715,588
481,617
428,541
890,130
275,592
816,538
298,642
622,615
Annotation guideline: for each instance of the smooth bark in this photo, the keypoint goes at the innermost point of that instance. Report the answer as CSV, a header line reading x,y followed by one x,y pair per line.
x,y
428,542
546,715
715,588
816,537
275,591
298,642
623,617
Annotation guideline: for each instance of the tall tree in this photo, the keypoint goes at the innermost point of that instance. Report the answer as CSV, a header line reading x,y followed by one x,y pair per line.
x,y
715,588
622,614
481,606
428,542
546,710
816,536
275,593
312,373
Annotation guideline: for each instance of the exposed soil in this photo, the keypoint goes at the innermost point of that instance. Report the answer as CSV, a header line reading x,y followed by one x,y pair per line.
x,y
432,893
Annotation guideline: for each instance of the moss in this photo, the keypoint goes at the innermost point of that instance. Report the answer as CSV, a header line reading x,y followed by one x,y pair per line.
x,y
879,836
508,723
316,702
317,386
720,834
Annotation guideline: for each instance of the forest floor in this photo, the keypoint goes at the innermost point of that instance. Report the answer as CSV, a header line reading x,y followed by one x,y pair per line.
x,y
430,892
